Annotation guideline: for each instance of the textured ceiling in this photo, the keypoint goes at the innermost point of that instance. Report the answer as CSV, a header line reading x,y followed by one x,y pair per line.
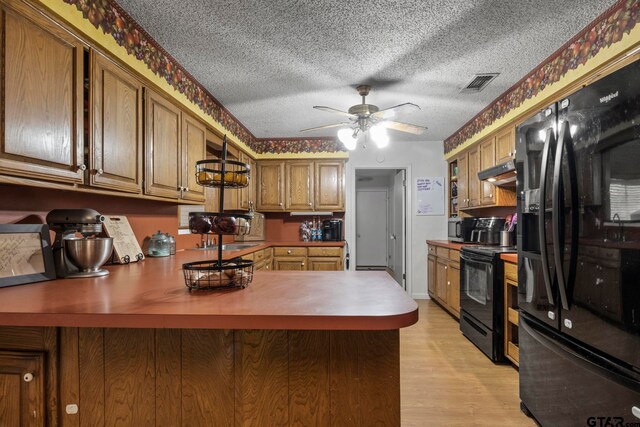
x,y
270,62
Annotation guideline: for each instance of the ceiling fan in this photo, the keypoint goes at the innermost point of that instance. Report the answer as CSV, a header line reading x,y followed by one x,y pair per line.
x,y
369,119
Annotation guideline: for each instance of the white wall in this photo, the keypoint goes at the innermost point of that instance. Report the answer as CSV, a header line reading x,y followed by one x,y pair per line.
x,y
420,159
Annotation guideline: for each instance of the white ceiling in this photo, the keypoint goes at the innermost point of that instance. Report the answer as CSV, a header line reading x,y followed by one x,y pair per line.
x,y
270,62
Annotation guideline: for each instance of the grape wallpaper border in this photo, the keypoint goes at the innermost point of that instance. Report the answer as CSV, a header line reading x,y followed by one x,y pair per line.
x,y
108,16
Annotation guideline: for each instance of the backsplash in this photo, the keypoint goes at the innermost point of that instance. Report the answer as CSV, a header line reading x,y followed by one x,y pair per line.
x,y
30,205
284,227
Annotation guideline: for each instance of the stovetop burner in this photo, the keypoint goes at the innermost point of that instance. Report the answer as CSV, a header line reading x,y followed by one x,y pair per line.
x,y
491,250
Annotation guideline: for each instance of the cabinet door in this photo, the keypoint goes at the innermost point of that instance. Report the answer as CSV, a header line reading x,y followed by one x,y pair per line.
x,y
487,160
463,181
453,285
441,280
474,182
299,186
290,263
271,186
42,103
506,145
163,167
22,389
194,148
325,263
329,186
248,193
431,275
115,153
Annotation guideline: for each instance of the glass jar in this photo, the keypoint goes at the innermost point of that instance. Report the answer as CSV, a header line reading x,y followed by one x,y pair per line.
x,y
172,244
159,245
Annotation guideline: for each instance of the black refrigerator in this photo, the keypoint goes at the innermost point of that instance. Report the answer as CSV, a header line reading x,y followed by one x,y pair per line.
x,y
578,168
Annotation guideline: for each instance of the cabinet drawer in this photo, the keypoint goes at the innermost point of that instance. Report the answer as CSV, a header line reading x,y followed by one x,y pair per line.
x,y
442,252
258,256
454,255
268,253
249,257
324,251
608,253
290,251
511,271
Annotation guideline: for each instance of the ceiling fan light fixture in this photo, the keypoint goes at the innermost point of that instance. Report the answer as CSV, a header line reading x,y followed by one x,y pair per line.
x,y
348,138
379,135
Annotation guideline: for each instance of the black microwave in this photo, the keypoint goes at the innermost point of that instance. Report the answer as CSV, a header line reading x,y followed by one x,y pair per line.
x,y
460,229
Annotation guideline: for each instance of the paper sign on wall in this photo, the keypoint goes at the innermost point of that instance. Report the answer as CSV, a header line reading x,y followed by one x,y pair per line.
x,y
430,195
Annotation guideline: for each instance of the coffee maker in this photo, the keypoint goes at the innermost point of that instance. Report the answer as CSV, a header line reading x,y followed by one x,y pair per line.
x,y
75,256
332,230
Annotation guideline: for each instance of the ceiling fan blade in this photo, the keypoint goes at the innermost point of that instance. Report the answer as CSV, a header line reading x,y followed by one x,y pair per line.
x,y
404,127
343,124
391,112
334,111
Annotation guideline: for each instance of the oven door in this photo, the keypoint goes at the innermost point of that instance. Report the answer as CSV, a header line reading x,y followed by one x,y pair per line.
x,y
476,287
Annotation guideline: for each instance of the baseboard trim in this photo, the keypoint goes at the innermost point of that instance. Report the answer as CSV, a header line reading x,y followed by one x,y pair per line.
x,y
420,296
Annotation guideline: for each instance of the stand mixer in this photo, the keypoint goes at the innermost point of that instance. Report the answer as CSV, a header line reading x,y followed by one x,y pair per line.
x,y
77,257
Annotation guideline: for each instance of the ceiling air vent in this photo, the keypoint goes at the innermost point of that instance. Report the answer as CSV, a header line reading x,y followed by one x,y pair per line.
x,y
478,82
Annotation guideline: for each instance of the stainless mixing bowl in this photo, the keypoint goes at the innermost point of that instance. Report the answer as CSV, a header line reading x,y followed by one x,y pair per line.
x,y
88,254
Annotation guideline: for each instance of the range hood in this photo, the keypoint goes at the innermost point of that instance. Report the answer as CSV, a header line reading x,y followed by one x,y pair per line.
x,y
502,175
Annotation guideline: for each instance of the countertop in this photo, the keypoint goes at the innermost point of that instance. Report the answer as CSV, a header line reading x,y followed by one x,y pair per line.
x,y
512,258
152,294
447,244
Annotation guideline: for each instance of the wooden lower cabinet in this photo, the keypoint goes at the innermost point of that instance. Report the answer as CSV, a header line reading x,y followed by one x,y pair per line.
x,y
290,263
443,276
324,263
511,314
196,377
22,392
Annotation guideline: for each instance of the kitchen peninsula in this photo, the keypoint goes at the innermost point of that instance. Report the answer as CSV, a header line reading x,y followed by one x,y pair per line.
x,y
136,347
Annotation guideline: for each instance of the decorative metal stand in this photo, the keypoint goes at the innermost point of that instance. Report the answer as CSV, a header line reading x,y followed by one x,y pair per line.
x,y
219,274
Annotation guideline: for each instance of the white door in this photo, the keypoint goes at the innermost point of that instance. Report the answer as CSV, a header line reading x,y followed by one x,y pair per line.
x,y
397,228
371,228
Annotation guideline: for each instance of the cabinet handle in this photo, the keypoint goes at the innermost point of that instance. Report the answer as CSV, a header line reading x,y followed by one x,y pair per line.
x,y
490,195
180,188
445,267
289,252
99,171
309,203
82,167
280,204
185,189
448,283
28,377
302,264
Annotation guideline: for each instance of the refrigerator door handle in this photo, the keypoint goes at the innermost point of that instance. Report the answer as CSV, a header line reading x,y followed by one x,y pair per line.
x,y
575,212
564,142
632,381
546,274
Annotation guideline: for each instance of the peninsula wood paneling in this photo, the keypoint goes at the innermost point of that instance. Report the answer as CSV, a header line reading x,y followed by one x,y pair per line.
x,y
309,387
168,377
91,374
261,383
41,113
173,377
129,375
207,378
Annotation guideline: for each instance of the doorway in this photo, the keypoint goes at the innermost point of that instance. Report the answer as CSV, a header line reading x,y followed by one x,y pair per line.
x,y
380,214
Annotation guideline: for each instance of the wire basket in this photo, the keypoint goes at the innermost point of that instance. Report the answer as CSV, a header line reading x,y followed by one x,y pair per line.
x,y
229,224
222,173
210,275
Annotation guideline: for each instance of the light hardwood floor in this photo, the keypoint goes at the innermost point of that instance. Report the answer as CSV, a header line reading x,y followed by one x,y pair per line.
x,y
446,381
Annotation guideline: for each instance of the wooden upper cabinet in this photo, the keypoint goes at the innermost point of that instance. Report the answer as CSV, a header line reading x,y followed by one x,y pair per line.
x,y
23,402
299,185
329,186
163,167
487,160
506,145
463,181
474,182
42,102
248,193
115,152
271,186
194,148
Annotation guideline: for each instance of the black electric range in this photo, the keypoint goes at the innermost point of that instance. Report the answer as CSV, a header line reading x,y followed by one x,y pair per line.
x,y
482,298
